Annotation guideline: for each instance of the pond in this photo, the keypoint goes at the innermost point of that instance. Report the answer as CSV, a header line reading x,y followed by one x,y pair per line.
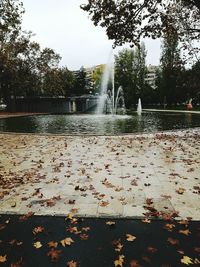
x,y
148,122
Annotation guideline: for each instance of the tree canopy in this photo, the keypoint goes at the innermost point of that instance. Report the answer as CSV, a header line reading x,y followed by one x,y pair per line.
x,y
129,21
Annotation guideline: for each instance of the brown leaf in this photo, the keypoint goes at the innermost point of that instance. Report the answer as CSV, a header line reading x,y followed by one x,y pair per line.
x,y
197,249
73,230
71,201
67,241
72,264
169,226
118,245
85,229
152,249
17,264
173,241
180,190
104,203
130,237
84,236
26,217
53,244
3,258
146,259
134,263
185,232
54,254
51,203
38,230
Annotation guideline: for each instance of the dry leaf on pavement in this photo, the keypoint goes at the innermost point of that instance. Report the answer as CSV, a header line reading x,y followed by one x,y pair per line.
x,y
119,262
67,241
37,244
130,237
3,259
72,264
186,260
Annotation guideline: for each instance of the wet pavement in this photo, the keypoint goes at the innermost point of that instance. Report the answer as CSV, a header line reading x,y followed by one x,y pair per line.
x,y
66,241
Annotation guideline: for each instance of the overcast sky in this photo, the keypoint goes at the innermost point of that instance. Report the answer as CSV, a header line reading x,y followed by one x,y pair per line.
x,y
63,26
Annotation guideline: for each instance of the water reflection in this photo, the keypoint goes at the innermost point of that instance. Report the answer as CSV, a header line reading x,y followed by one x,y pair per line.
x,y
100,124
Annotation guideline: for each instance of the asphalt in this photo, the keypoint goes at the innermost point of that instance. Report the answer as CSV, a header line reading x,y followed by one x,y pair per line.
x,y
97,242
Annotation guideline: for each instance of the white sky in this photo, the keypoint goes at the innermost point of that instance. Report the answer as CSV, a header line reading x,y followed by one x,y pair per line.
x,y
64,27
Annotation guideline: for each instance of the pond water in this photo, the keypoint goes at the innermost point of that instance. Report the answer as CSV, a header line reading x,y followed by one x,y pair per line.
x,y
148,122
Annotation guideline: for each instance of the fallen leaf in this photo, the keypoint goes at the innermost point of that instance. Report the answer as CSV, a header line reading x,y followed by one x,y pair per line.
x,y
37,244
186,260
3,258
120,261
146,259
26,217
173,241
72,229
84,236
72,264
196,261
53,244
134,263
197,249
104,203
185,232
146,220
110,223
17,264
85,229
169,226
130,237
67,241
152,249
38,230
180,190
54,254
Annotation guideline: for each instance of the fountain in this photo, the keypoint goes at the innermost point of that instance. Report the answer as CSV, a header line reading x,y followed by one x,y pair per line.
x,y
139,107
108,103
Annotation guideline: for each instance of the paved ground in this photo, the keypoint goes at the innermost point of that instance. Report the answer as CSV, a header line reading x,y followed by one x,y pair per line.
x,y
4,114
34,241
117,176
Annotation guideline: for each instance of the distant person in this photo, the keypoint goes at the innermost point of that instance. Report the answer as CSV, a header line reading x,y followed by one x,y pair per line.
x,y
189,105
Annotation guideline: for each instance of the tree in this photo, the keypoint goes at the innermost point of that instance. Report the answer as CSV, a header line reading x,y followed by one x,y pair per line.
x,y
10,27
130,71
96,77
82,82
171,65
129,21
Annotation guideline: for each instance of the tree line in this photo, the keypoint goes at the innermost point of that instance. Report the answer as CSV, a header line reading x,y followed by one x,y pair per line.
x,y
27,70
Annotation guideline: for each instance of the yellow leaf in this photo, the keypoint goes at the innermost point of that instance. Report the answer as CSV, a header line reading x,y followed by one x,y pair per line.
x,y
110,223
130,237
186,260
146,220
119,247
119,262
37,244
3,258
71,264
67,241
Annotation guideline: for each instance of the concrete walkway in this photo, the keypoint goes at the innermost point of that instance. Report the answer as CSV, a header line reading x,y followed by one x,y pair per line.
x,y
117,176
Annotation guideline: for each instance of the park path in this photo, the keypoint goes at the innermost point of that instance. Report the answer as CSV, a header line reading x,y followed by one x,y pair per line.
x,y
156,175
